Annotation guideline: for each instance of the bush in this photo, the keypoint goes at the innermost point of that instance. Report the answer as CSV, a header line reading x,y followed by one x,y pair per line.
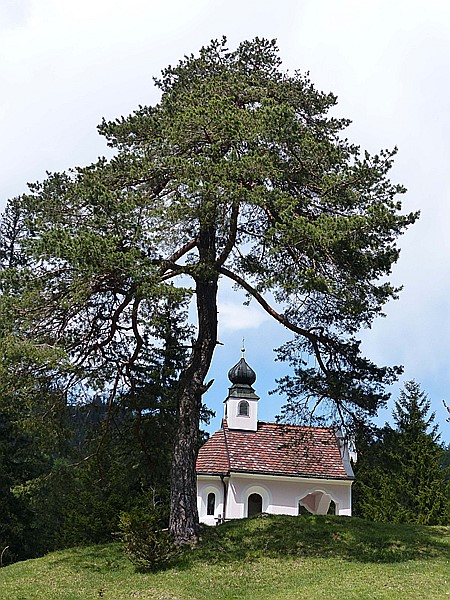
x,y
147,544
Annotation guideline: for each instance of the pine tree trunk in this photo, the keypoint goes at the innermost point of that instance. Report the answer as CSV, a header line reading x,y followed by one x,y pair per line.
x,y
184,524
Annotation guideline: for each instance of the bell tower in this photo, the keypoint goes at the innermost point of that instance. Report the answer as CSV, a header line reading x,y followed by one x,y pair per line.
x,y
241,405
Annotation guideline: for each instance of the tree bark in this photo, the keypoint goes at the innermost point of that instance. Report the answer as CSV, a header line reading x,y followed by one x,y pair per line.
x,y
184,523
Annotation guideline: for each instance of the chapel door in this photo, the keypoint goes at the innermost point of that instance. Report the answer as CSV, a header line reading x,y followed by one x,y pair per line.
x,y
254,505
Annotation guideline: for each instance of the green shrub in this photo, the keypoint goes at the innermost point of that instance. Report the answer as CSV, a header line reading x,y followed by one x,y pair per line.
x,y
147,544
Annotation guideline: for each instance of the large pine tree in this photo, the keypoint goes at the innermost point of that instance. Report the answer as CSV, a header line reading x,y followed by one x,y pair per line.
x,y
238,173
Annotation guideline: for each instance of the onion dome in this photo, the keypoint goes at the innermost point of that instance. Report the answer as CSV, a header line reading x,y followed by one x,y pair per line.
x,y
242,373
242,376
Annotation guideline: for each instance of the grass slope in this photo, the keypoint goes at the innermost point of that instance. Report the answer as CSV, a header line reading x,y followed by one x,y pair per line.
x,y
276,557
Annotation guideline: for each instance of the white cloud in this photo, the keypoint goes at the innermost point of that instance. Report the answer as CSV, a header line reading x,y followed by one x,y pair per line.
x,y
238,317
14,13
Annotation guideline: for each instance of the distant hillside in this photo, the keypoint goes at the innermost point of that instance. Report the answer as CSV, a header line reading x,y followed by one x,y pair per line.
x,y
273,557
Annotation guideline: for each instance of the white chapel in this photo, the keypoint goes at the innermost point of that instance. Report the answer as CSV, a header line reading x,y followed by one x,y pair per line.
x,y
250,467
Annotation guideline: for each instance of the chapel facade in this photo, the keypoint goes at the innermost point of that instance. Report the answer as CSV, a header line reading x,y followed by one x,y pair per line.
x,y
250,467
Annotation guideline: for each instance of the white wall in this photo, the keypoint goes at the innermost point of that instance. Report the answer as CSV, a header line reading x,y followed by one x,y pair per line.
x,y
280,495
205,485
236,421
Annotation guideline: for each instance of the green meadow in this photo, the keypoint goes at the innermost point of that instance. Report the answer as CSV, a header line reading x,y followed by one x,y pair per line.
x,y
261,558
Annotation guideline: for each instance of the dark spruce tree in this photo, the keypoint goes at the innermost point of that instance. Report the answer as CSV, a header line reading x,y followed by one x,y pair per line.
x,y
400,473
446,460
238,172
32,436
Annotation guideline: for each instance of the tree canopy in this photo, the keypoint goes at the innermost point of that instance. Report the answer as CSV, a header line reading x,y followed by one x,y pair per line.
x,y
238,172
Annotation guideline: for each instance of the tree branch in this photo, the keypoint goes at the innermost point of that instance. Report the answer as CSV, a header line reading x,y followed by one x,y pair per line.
x,y
115,318
137,336
309,335
169,263
231,237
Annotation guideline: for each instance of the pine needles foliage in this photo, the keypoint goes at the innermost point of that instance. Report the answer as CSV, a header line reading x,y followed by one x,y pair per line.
x,y
400,475
148,545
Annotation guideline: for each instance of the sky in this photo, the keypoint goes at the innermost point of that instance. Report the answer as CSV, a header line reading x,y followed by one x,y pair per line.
x,y
64,65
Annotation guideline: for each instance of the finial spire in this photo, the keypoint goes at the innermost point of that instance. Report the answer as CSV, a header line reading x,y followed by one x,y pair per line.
x,y
243,347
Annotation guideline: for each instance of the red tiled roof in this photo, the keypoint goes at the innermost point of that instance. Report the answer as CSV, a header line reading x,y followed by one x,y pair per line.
x,y
275,450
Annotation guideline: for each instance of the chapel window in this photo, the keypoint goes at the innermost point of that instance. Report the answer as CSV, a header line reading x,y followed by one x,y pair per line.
x,y
211,504
243,409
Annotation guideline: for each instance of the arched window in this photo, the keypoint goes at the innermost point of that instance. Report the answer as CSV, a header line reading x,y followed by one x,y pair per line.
x,y
317,502
211,504
254,505
243,409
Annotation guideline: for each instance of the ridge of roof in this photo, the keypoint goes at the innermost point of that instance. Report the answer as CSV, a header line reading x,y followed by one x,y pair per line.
x,y
289,425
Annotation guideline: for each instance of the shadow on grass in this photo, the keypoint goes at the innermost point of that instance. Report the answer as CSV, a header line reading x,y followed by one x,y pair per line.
x,y
102,558
283,537
319,537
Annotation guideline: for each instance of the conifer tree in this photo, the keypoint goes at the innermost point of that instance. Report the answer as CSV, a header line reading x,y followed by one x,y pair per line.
x,y
400,475
238,173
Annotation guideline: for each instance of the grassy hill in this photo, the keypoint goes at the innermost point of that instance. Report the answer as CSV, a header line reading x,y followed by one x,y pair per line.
x,y
275,557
